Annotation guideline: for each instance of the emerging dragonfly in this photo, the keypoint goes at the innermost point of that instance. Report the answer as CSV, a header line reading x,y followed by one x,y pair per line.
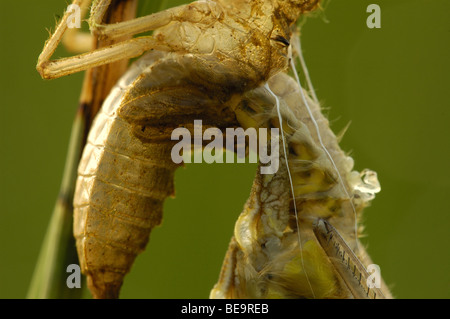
x,y
224,62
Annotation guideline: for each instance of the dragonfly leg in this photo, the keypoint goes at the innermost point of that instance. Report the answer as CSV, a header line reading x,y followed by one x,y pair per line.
x,y
75,41
50,69
134,26
123,50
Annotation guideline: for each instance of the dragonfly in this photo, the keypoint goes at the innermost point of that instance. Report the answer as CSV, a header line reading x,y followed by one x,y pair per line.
x,y
224,62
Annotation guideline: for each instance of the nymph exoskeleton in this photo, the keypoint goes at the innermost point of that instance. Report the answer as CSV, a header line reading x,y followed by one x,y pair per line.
x,y
204,59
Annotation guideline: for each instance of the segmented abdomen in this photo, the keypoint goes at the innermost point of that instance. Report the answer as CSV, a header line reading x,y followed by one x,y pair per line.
x,y
126,170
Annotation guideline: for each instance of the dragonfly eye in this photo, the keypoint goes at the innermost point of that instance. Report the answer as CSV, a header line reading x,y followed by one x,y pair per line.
x,y
282,40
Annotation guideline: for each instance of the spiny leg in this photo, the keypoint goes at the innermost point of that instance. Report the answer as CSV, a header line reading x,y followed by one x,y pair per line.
x,y
77,41
135,26
65,66
52,43
122,50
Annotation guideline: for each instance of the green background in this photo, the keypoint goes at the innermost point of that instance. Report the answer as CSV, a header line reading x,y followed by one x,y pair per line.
x,y
391,83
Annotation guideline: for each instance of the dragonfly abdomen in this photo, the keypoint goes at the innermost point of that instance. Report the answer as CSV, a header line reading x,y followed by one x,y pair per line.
x,y
126,171
121,187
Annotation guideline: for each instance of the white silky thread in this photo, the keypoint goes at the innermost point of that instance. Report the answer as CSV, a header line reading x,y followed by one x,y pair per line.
x,y
305,69
341,181
292,186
